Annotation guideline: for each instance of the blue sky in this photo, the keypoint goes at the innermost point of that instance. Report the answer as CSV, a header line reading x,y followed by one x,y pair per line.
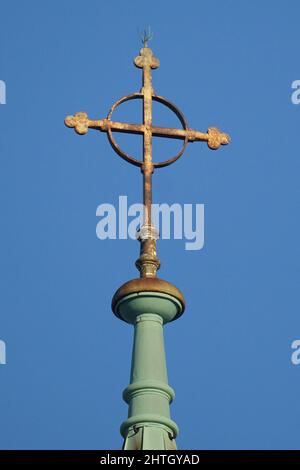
x,y
224,63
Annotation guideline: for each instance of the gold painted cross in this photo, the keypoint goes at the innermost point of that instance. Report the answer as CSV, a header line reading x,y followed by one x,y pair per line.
x,y
148,262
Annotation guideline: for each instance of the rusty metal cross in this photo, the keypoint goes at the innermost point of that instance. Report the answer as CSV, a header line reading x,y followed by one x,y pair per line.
x,y
148,262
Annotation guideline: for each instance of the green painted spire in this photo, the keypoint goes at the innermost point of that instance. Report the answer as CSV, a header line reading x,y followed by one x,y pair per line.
x,y
149,395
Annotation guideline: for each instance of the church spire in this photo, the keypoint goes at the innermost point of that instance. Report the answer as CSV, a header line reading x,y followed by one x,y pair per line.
x,y
148,302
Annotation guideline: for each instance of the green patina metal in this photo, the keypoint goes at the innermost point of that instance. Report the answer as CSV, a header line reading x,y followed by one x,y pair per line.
x,y
149,395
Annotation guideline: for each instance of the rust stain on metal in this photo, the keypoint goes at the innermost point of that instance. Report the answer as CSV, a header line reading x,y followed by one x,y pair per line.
x,y
147,284
148,262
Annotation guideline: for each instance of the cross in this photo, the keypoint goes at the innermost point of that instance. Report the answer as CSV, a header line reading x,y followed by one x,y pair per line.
x,y
148,263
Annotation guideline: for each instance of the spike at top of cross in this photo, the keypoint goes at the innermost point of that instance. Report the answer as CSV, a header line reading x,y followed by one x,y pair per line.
x,y
147,36
147,263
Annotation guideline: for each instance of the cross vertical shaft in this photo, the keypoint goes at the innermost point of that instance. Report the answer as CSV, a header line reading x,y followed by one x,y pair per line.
x,y
148,263
147,167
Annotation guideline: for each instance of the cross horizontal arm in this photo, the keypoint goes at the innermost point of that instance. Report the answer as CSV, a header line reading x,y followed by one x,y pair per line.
x,y
213,136
81,123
